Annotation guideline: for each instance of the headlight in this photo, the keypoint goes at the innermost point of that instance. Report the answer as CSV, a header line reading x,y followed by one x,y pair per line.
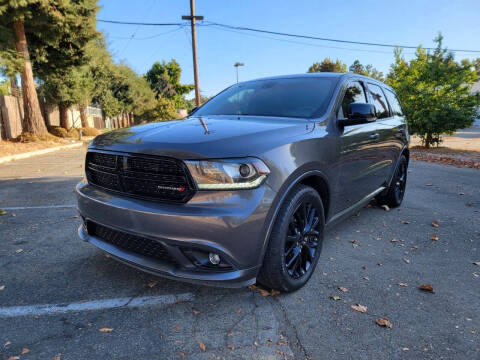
x,y
228,174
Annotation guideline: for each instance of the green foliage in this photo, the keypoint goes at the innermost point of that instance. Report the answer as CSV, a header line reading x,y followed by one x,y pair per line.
x,y
164,80
367,70
163,110
434,91
4,87
328,65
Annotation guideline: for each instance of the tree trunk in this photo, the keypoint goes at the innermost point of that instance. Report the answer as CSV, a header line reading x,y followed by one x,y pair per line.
x,y
64,123
428,141
125,120
132,120
33,119
83,115
14,86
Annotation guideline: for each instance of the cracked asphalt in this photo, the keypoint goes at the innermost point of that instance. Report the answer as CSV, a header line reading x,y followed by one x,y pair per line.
x,y
43,262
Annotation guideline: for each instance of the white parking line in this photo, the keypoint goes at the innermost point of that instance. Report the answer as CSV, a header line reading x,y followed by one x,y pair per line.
x,y
39,207
130,302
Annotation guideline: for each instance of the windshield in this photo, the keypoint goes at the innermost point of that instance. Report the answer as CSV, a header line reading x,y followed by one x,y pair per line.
x,y
295,97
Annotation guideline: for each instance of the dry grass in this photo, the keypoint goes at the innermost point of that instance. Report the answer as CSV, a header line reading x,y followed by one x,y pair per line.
x,y
26,143
455,143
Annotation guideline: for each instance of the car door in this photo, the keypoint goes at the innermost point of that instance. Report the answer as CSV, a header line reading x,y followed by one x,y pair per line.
x,y
358,154
385,128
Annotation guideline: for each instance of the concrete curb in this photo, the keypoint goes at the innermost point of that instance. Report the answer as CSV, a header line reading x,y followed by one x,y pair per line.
x,y
5,159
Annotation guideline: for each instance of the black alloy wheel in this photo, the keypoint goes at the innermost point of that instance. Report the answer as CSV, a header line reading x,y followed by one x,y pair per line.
x,y
302,239
393,195
295,242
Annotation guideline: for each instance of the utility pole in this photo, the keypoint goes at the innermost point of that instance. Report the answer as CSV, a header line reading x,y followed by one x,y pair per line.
x,y
192,19
237,64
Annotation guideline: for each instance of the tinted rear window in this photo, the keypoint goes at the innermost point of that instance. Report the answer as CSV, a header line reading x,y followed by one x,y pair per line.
x,y
295,97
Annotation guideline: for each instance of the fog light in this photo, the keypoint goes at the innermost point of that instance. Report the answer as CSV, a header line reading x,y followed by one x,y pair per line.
x,y
214,258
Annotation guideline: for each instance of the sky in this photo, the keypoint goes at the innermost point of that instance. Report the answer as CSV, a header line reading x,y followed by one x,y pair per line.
x,y
404,22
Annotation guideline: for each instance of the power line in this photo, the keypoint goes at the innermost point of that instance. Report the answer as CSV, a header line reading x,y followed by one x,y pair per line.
x,y
138,23
329,39
243,28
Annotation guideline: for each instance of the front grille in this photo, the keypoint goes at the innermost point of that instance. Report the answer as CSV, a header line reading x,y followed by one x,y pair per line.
x,y
129,242
158,178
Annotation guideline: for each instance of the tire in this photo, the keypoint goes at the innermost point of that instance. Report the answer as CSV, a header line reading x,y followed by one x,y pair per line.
x,y
285,269
393,196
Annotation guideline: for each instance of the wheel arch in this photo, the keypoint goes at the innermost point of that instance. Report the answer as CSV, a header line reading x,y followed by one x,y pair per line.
x,y
311,176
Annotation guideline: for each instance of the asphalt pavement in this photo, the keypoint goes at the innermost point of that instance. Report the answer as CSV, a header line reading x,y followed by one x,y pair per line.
x,y
61,298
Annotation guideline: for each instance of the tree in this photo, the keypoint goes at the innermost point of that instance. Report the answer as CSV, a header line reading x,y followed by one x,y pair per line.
x,y
434,92
57,32
163,110
367,70
328,65
164,80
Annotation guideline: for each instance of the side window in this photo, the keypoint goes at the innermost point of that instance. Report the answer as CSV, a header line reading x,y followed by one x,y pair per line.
x,y
394,103
353,94
379,101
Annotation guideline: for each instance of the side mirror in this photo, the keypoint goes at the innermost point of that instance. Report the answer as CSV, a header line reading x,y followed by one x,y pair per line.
x,y
358,113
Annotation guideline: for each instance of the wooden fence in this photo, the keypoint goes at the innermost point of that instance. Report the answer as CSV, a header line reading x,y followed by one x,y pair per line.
x,y
11,117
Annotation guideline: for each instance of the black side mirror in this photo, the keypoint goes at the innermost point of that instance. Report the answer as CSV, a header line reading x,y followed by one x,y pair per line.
x,y
359,113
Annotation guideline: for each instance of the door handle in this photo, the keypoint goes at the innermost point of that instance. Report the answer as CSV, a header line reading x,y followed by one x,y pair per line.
x,y
374,136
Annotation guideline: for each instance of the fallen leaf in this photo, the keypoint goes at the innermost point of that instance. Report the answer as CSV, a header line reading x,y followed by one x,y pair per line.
x,y
196,312
264,292
18,251
402,284
386,207
202,346
474,263
434,237
394,240
25,351
334,297
461,193
384,322
405,222
358,307
106,330
366,278
177,327
435,224
365,267
230,333
342,289
405,348
14,358
7,343
231,347
469,203
152,283
274,292
13,214
239,310
406,260
2,212
182,355
3,286
331,258
426,287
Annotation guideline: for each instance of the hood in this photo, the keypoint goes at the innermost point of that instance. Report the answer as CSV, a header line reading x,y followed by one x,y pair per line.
x,y
205,137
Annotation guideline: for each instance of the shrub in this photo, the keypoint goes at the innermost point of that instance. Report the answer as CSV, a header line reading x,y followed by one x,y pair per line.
x,y
90,131
57,131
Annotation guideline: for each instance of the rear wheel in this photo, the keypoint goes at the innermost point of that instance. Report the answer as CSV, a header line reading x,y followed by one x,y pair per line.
x,y
295,241
395,192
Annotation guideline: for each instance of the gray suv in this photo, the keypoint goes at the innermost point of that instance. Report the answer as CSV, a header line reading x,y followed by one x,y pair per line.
x,y
244,188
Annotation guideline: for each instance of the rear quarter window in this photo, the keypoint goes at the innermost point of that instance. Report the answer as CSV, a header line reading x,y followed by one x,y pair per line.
x,y
394,103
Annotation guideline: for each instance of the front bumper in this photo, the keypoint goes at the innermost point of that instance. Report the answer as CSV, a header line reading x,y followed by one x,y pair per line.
x,y
232,224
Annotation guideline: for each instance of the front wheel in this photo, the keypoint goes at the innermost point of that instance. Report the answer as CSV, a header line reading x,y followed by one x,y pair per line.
x,y
393,196
295,241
